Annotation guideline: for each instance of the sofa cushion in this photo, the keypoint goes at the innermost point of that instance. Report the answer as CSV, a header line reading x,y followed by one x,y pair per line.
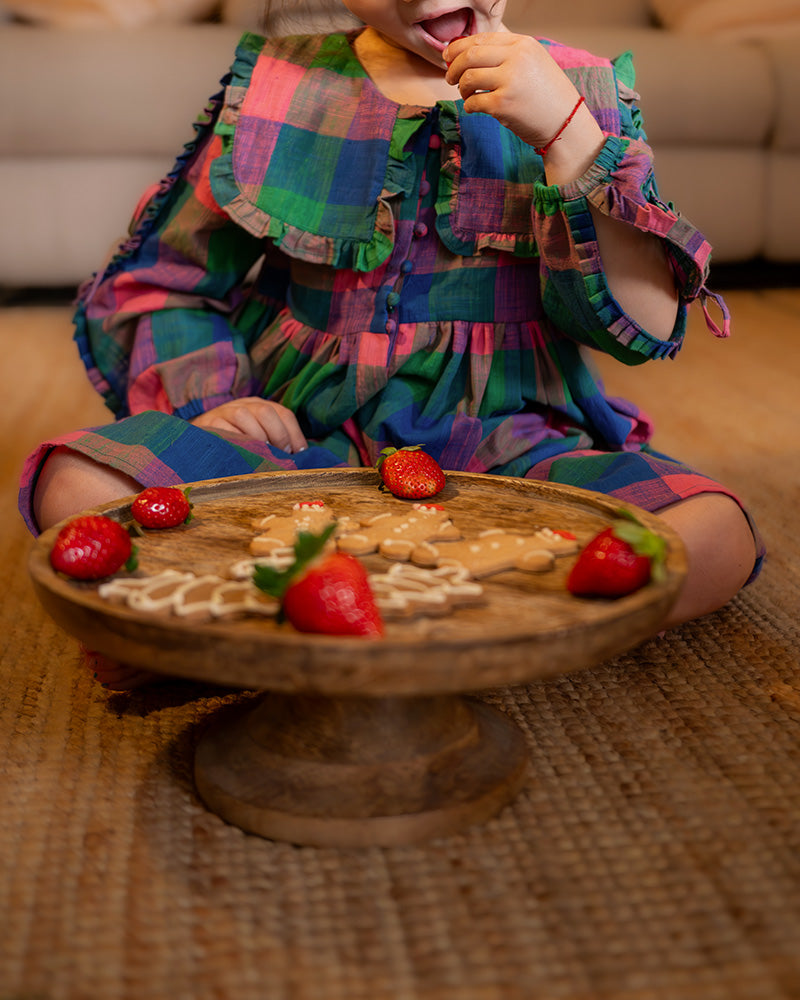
x,y
109,13
723,95
323,15
89,106
782,209
730,19
784,55
579,13
288,16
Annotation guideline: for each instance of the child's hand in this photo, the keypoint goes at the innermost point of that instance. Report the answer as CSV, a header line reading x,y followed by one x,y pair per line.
x,y
514,79
257,419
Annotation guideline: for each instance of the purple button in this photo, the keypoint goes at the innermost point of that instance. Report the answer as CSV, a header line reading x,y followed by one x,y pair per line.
x,y
434,142
391,325
420,229
424,188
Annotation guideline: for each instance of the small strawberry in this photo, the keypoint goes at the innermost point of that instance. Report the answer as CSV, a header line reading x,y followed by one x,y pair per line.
x,y
162,507
91,547
621,559
410,473
323,592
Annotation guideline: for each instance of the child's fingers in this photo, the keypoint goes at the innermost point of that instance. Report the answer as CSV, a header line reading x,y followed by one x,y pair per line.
x,y
217,422
241,419
258,419
453,49
280,427
474,56
481,40
478,81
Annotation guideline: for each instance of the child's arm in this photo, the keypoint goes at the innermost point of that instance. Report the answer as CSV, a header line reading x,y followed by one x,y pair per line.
x,y
168,324
635,262
516,80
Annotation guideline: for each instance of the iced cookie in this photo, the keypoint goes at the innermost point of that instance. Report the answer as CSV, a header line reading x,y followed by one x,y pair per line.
x,y
396,536
279,558
403,591
406,591
496,550
193,598
280,532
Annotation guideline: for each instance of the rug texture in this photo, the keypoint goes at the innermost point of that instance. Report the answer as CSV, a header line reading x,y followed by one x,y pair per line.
x,y
653,854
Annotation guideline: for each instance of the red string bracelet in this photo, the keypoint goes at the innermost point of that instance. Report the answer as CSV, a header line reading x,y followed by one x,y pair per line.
x,y
541,150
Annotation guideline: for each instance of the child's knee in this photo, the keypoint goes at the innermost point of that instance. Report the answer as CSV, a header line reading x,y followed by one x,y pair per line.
x,y
728,525
721,551
718,537
70,482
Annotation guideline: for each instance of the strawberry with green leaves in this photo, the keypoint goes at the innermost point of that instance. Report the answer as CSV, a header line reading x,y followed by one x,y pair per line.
x,y
162,507
410,473
323,592
92,547
619,560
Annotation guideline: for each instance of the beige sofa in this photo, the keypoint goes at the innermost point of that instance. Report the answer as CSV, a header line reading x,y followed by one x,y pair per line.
x,y
89,119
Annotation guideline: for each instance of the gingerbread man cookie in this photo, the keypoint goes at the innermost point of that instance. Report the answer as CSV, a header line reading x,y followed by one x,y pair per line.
x,y
281,532
397,535
496,550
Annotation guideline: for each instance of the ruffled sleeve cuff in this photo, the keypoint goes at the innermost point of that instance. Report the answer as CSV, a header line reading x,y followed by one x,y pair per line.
x,y
621,185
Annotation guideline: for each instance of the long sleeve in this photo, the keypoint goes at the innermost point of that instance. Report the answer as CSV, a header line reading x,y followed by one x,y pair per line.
x,y
621,184
167,324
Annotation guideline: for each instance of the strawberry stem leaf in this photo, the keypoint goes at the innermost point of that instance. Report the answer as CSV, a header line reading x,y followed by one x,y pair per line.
x,y
307,547
643,542
190,515
390,450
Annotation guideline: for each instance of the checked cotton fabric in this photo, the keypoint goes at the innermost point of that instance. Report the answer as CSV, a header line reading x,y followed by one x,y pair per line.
x,y
393,274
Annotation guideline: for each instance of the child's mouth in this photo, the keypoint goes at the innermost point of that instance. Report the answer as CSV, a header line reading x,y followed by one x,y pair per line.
x,y
441,30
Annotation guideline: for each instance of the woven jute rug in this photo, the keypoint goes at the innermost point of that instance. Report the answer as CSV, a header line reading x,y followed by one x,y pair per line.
x,y
653,854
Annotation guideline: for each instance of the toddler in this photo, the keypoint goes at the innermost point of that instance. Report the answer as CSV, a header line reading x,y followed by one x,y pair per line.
x,y
416,231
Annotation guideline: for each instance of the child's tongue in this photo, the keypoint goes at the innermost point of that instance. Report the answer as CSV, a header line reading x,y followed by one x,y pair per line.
x,y
446,27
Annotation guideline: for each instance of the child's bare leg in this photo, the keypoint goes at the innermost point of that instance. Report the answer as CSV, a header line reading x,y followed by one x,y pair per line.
x,y
721,552
68,483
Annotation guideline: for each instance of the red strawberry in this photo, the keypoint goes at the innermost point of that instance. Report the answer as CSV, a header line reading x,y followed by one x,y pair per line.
x,y
162,507
410,473
92,547
621,559
323,592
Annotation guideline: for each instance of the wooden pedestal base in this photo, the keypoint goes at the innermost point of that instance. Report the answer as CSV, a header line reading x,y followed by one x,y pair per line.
x,y
409,758
356,772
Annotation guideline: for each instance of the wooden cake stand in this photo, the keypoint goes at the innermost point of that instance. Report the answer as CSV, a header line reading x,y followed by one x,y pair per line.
x,y
354,741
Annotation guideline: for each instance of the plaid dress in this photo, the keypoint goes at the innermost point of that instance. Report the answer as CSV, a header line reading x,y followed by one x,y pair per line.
x,y
393,274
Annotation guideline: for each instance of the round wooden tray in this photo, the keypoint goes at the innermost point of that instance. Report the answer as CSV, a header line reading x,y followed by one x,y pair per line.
x,y
363,741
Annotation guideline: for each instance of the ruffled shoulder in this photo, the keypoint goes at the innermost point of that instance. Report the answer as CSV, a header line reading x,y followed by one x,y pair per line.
x,y
313,154
307,144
